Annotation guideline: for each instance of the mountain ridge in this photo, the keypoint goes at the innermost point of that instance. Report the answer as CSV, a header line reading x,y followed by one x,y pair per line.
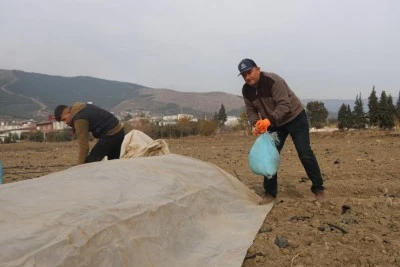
x,y
29,94
18,87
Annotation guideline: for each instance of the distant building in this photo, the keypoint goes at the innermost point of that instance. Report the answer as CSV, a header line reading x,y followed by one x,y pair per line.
x,y
50,126
173,119
15,128
29,126
177,117
231,121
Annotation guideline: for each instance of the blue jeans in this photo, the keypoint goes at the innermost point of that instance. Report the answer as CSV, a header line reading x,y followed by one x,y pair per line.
x,y
299,131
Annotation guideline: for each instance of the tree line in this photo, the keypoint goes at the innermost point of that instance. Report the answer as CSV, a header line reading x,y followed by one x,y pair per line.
x,y
382,113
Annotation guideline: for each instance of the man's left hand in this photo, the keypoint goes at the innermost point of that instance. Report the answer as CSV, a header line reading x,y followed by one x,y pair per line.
x,y
256,131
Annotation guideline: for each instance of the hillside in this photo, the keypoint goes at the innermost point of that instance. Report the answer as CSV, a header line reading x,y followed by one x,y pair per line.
x,y
172,101
27,95
34,95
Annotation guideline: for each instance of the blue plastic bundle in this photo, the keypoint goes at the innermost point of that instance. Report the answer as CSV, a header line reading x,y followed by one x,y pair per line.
x,y
264,157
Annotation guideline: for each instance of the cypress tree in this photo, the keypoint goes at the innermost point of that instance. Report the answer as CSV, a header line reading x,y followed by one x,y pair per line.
x,y
359,119
350,117
221,115
397,108
373,108
344,117
391,113
382,110
386,111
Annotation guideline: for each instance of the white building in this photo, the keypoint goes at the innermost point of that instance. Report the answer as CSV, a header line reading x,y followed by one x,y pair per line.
x,y
231,121
173,119
177,117
6,130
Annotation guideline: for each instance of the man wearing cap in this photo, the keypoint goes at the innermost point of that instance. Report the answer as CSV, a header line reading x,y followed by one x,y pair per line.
x,y
267,95
85,118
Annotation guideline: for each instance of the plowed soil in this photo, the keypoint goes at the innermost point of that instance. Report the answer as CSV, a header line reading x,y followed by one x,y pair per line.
x,y
358,226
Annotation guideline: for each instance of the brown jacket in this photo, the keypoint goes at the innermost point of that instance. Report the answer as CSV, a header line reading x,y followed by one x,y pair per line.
x,y
281,104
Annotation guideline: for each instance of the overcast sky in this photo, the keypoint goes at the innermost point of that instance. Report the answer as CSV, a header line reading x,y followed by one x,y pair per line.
x,y
323,48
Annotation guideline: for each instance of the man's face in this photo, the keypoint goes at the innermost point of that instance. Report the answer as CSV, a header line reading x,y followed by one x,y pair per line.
x,y
252,76
66,116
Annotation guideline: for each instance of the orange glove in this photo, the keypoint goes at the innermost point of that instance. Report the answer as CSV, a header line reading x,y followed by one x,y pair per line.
x,y
262,126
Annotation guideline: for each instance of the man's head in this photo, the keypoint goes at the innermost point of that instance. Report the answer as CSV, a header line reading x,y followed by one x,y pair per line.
x,y
63,113
249,71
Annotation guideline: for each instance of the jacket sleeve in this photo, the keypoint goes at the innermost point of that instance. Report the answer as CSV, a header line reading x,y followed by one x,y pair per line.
x,y
252,112
281,97
82,132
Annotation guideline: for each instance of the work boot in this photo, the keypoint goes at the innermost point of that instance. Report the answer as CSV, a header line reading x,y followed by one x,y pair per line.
x,y
267,199
320,196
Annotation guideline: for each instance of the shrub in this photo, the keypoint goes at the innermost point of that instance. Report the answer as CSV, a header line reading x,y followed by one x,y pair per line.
x,y
59,136
37,136
207,127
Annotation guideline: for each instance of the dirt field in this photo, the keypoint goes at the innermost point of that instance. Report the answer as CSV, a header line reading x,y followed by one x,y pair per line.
x,y
358,226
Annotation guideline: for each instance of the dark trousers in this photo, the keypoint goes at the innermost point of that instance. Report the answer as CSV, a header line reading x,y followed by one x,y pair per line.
x,y
299,131
109,145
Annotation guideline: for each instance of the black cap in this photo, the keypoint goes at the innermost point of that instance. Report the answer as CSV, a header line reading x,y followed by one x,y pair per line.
x,y
245,65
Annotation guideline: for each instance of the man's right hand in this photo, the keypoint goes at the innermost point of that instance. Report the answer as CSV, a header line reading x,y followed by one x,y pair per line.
x,y
261,126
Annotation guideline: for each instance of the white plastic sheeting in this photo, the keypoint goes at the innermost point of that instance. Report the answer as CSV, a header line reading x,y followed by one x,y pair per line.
x,y
158,211
137,144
